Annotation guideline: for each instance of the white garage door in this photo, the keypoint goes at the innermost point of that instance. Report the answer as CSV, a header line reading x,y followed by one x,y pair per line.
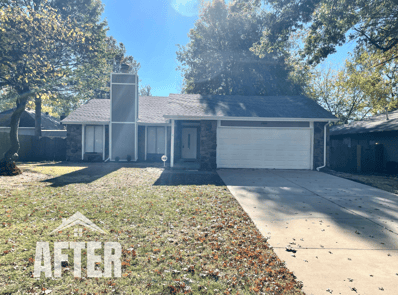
x,y
264,148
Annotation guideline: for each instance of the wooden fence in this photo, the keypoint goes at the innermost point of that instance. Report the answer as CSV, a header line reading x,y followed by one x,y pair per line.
x,y
357,158
36,149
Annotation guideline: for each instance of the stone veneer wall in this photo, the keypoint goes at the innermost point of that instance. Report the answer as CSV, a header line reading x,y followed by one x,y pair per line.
x,y
208,145
74,143
318,144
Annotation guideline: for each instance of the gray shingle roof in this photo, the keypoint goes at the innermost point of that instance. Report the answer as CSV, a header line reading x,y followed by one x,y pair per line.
x,y
152,109
373,124
196,105
95,111
28,120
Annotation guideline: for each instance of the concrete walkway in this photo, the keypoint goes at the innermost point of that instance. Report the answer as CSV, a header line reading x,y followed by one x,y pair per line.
x,y
345,234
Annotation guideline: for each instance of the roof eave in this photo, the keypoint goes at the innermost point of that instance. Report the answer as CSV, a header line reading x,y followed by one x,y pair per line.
x,y
353,132
85,122
175,117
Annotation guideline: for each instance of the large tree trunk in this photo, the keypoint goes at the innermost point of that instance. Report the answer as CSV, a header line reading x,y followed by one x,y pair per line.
x,y
38,116
7,164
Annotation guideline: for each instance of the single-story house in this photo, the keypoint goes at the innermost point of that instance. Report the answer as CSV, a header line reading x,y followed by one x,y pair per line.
x,y
377,130
281,132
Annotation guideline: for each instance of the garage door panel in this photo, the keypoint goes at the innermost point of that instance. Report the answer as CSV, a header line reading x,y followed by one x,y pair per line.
x,y
263,148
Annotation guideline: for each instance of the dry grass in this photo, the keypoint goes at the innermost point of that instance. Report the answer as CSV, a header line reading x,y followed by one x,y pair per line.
x,y
184,239
385,182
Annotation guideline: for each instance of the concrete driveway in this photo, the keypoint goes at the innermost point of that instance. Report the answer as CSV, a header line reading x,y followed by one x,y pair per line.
x,y
345,234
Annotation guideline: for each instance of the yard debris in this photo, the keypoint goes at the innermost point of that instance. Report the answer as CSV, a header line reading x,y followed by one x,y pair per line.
x,y
9,169
290,249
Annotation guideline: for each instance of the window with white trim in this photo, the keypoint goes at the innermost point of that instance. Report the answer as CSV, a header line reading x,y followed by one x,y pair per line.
x,y
156,140
94,139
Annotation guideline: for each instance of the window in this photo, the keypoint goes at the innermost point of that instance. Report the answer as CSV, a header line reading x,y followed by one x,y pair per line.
x,y
93,140
156,140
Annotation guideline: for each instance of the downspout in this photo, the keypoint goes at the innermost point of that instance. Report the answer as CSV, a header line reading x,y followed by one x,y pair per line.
x,y
324,148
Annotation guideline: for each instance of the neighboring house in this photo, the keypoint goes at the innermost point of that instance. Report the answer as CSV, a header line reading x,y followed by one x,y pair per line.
x,y
50,146
28,120
377,130
281,132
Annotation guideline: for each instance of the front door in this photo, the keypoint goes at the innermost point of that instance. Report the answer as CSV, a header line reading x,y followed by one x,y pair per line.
x,y
189,143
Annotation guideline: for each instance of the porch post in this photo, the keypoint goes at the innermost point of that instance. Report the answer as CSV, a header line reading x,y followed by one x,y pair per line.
x,y
165,140
83,138
146,140
103,142
172,144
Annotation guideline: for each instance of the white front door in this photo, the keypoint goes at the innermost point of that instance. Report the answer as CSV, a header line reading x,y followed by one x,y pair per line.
x,y
189,143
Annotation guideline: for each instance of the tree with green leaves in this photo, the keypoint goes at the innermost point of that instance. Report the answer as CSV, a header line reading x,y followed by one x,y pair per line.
x,y
85,82
39,49
82,12
218,58
368,71
145,90
330,89
329,24
91,80
118,56
358,89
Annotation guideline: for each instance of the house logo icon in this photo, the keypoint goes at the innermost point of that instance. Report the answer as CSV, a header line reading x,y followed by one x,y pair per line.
x,y
77,219
112,253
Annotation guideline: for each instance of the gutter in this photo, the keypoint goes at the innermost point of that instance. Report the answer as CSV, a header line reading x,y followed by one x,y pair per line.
x,y
324,148
179,117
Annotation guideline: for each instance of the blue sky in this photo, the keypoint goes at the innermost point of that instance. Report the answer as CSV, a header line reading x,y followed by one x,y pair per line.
x,y
150,30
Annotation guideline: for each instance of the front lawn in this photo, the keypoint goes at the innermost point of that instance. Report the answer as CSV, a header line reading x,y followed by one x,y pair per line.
x,y
188,239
